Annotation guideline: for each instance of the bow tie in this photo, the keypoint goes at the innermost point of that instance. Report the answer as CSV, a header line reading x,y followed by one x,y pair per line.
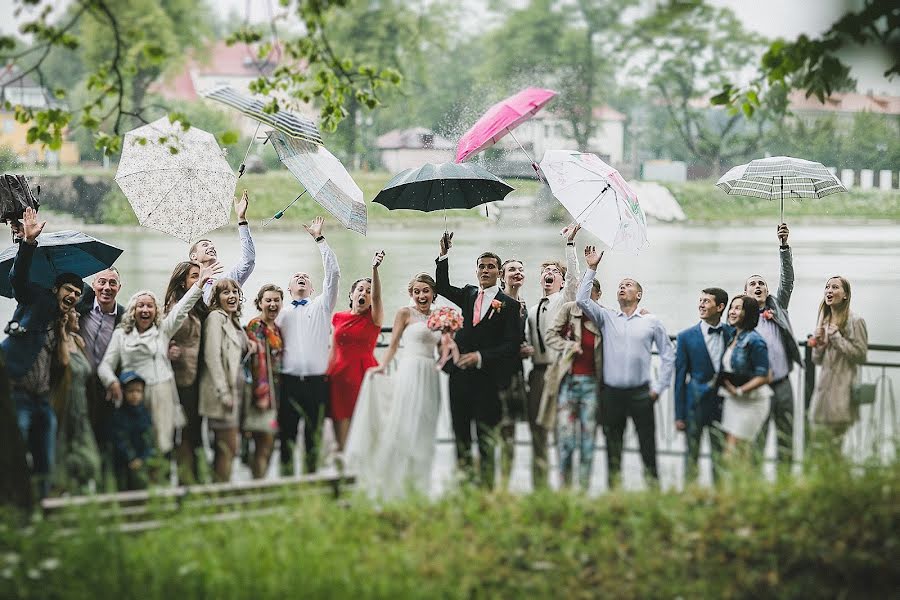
x,y
713,330
303,302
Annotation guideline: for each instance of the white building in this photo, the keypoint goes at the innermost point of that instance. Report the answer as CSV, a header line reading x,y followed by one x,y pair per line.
x,y
411,148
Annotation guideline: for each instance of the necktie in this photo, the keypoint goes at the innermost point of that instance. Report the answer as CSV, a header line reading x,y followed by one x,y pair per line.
x,y
542,307
476,317
300,302
713,330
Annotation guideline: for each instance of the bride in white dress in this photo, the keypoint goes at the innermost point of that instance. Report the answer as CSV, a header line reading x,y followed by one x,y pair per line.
x,y
391,443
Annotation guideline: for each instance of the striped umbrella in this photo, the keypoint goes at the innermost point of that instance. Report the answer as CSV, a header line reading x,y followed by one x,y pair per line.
x,y
284,121
772,177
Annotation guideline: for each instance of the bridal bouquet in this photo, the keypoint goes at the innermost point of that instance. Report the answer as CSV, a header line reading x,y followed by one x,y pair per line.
x,y
448,321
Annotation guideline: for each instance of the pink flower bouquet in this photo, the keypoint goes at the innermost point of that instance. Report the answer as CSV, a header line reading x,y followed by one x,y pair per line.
x,y
448,321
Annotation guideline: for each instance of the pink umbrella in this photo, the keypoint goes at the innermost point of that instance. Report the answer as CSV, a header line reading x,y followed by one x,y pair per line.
x,y
501,119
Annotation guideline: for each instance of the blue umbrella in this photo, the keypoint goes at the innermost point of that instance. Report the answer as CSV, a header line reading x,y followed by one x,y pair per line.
x,y
60,252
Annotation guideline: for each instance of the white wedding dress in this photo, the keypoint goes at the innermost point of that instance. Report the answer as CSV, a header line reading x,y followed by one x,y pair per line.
x,y
392,437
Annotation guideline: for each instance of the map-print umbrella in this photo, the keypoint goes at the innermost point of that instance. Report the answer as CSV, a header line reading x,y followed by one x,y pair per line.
x,y
324,177
772,177
597,197
60,252
185,193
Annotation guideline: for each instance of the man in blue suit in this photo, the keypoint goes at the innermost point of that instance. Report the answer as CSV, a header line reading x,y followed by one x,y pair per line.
x,y
698,357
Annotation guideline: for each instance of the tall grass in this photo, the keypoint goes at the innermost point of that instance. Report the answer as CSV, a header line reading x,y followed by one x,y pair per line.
x,y
832,532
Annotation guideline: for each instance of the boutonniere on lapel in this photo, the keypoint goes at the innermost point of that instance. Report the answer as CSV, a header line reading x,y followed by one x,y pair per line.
x,y
496,307
768,314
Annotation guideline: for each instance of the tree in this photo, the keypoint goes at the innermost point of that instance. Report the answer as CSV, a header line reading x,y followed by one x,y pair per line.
x,y
126,50
694,47
813,64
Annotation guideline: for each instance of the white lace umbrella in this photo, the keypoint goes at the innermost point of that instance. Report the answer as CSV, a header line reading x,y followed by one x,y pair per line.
x,y
773,177
597,197
185,193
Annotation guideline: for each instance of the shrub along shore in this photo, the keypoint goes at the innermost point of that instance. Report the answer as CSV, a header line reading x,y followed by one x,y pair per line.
x,y
94,196
829,533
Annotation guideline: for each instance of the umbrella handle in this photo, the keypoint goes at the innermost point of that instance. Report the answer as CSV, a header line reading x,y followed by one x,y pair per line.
x,y
280,213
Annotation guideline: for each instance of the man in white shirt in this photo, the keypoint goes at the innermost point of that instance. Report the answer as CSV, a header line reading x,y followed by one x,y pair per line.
x,y
204,251
305,325
540,317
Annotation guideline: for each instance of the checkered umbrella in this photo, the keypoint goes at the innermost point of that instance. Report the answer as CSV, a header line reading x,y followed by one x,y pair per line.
x,y
776,176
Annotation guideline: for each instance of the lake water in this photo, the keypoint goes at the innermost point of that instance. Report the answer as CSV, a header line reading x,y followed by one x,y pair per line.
x,y
680,261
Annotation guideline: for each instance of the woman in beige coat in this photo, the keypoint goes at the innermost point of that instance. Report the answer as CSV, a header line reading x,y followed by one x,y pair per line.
x,y
572,386
222,379
839,347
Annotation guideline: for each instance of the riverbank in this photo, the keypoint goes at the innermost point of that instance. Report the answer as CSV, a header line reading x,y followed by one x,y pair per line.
x,y
829,533
94,196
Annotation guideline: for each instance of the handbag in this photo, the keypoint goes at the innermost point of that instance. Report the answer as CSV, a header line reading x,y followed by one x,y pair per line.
x,y
862,393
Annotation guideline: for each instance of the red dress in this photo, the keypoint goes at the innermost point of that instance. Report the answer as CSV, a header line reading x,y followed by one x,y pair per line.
x,y
353,344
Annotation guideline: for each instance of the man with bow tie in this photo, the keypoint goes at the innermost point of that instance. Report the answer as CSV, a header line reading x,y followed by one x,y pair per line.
x,y
305,326
698,358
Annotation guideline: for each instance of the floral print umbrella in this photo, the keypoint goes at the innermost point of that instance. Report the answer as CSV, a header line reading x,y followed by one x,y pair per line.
x,y
176,181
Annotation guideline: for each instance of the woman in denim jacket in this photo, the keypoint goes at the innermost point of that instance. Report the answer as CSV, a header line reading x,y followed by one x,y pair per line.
x,y
744,376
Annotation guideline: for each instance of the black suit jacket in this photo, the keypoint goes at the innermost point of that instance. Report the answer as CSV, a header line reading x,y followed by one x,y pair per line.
x,y
497,336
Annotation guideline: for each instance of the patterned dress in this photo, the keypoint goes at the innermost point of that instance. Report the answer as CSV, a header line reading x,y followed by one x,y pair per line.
x,y
353,347
260,412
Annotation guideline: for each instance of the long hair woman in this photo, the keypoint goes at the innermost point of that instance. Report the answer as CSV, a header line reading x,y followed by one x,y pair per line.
x,y
839,347
352,348
222,377
259,419
184,352
744,376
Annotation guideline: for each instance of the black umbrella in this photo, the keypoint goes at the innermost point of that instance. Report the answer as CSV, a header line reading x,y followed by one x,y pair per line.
x,y
60,252
15,197
441,186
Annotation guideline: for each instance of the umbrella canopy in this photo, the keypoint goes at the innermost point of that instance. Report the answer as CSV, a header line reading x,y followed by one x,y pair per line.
x,y
15,197
324,177
184,194
597,197
284,121
501,119
439,186
60,252
772,177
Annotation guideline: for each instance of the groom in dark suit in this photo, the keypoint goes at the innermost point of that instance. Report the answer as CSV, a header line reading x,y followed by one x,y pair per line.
x,y
489,348
698,358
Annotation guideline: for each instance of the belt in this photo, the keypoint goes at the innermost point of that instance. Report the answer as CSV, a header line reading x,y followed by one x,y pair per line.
x,y
783,379
637,388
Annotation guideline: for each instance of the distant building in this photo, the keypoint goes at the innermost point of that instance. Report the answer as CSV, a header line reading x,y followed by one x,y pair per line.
x,y
410,148
842,105
28,93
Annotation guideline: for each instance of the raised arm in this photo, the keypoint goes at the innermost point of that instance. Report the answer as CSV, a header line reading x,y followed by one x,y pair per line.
x,y
20,274
571,286
377,306
329,263
173,320
786,276
442,274
583,297
242,270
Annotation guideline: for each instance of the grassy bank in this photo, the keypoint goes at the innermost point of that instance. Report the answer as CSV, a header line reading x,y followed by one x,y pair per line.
x,y
829,534
703,201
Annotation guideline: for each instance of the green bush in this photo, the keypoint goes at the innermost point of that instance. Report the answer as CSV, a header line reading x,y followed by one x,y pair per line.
x,y
830,533
9,160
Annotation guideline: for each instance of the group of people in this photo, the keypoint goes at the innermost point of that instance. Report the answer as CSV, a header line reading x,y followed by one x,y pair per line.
x,y
105,392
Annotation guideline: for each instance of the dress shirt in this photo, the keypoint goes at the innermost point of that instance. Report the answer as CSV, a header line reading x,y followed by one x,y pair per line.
x,y
778,360
715,343
306,328
242,270
97,330
553,304
628,342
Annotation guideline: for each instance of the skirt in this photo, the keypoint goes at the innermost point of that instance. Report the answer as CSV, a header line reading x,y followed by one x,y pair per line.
x,y
743,416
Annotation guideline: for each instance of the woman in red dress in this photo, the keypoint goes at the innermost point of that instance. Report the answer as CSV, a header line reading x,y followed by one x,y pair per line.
x,y
352,348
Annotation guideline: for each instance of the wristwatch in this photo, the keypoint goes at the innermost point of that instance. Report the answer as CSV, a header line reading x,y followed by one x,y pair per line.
x,y
242,223
320,238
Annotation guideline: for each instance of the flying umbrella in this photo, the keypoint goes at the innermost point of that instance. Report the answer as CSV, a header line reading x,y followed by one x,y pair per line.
x,y
771,177
60,252
597,197
176,181
442,186
15,197
324,178
501,119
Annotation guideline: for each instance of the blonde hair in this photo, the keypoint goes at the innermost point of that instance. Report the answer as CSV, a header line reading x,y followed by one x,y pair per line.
x,y
836,315
218,287
127,323
423,278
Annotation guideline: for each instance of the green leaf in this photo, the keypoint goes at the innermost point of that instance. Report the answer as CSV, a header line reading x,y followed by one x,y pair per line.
x,y
229,137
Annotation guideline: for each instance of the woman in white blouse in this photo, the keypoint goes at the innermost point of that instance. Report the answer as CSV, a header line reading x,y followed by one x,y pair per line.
x,y
140,343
